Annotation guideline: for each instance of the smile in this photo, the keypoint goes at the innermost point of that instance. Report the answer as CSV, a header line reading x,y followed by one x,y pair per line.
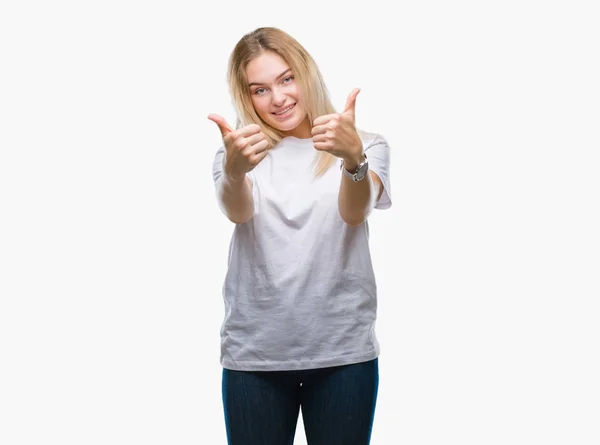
x,y
286,110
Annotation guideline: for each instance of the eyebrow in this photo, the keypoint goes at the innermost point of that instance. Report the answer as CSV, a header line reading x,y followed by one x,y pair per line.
x,y
282,74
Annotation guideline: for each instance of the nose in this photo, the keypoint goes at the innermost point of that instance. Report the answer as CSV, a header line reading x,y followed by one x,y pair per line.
x,y
278,97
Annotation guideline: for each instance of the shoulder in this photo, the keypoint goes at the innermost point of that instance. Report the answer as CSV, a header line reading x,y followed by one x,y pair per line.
x,y
372,140
367,137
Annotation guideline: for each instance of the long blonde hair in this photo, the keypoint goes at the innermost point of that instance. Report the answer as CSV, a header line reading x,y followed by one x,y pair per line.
x,y
306,73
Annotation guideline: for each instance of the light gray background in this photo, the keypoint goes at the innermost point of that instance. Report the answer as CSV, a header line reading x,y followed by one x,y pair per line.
x,y
113,250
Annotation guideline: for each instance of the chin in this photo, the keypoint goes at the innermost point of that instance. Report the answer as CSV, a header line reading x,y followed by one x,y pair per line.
x,y
288,127
285,126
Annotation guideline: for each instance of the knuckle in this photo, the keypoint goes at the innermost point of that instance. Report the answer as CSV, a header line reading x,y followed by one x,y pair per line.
x,y
239,143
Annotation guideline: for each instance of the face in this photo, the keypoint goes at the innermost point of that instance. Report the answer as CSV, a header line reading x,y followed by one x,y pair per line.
x,y
275,95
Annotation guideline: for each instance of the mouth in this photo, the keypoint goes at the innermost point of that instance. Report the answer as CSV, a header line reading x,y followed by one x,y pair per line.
x,y
285,110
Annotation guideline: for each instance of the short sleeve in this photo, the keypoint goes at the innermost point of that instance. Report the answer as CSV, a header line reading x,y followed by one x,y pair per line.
x,y
378,155
218,164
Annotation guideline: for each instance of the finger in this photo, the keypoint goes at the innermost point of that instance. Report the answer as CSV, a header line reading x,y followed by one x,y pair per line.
x,y
256,158
319,129
321,120
320,138
323,146
249,130
260,146
222,123
254,139
351,102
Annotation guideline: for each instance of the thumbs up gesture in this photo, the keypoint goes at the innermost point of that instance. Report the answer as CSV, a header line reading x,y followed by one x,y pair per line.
x,y
244,148
336,133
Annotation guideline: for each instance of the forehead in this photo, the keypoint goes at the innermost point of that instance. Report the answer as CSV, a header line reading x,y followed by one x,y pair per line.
x,y
265,68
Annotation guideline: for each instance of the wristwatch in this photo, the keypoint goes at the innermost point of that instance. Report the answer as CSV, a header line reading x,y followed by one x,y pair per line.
x,y
361,170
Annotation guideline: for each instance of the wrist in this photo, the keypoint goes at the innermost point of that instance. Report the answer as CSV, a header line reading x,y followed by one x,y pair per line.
x,y
234,178
351,163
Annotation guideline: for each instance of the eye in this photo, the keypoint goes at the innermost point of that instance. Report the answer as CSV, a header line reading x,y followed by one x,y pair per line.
x,y
259,91
288,79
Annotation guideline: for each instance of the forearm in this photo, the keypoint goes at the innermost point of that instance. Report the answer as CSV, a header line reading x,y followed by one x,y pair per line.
x,y
356,199
235,198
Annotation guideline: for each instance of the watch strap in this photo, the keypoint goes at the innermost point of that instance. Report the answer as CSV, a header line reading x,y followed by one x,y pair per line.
x,y
354,175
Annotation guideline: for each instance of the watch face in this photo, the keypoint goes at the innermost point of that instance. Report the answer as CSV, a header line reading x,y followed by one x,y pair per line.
x,y
358,174
362,171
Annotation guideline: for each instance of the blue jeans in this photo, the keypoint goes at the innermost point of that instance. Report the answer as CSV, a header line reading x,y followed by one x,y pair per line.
x,y
338,405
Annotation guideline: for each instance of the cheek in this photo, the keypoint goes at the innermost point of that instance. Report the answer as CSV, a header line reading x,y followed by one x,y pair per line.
x,y
260,106
294,92
298,97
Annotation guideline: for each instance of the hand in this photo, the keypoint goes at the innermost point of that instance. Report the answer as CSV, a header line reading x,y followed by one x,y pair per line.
x,y
336,133
244,148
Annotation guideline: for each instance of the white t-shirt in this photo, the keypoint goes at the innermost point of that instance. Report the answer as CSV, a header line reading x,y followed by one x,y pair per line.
x,y
300,290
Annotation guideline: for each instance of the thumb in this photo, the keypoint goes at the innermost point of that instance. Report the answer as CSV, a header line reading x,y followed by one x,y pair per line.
x,y
222,123
351,102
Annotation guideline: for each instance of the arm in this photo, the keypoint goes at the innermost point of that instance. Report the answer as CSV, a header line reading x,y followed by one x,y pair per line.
x,y
337,134
242,150
356,200
235,198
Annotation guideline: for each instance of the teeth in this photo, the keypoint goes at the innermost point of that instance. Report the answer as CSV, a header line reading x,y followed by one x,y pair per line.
x,y
285,111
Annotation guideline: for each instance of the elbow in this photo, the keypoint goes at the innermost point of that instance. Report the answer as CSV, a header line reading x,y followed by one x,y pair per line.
x,y
356,220
235,217
239,219
353,222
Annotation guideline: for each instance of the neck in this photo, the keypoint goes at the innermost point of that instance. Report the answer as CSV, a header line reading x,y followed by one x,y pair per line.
x,y
302,131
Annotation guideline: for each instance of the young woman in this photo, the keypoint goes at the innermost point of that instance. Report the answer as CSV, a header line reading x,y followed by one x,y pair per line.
x,y
299,181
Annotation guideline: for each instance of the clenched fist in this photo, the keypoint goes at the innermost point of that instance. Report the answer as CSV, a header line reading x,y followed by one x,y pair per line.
x,y
336,133
244,148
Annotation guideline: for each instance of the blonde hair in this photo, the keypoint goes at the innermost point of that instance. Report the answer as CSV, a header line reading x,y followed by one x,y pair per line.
x,y
312,88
